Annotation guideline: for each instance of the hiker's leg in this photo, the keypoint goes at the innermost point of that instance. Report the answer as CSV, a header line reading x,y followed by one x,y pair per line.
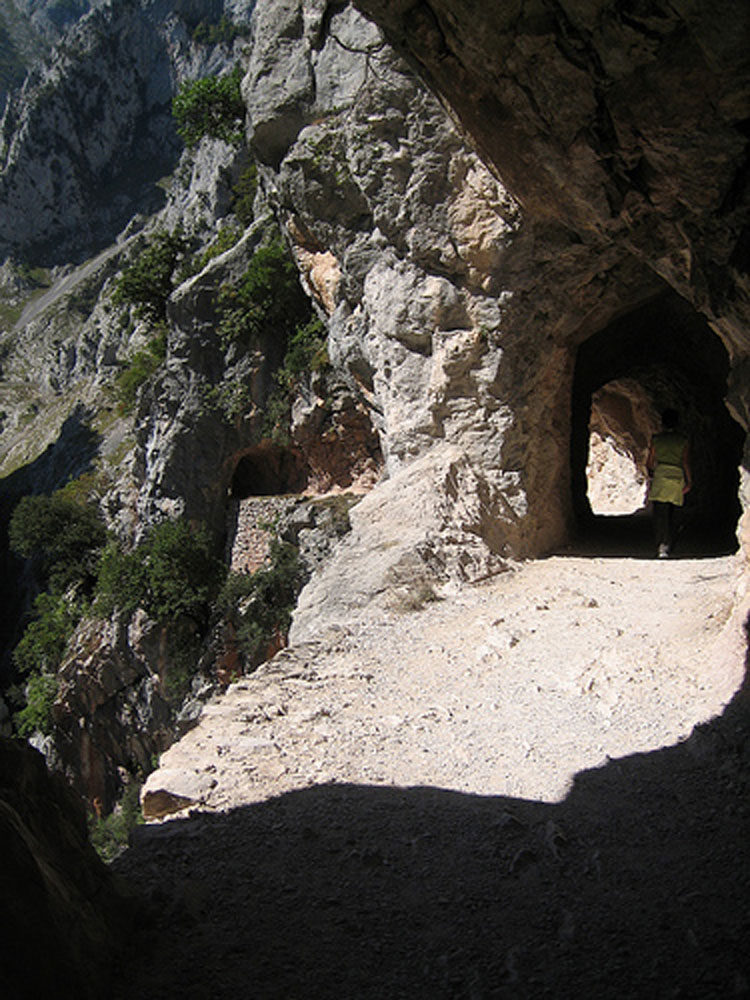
x,y
673,515
661,522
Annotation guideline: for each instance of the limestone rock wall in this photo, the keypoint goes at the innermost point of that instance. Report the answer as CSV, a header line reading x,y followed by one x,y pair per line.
x,y
483,206
86,139
623,126
418,242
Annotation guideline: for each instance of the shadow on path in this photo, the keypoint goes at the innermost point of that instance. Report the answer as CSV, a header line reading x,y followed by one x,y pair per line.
x,y
632,535
637,885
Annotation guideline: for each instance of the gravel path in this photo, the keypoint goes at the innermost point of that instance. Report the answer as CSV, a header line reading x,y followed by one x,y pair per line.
x,y
497,794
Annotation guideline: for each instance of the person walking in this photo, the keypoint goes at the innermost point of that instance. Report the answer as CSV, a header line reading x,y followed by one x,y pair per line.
x,y
668,466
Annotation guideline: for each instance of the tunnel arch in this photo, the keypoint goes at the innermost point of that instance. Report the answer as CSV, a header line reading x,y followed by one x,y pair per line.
x,y
668,351
269,469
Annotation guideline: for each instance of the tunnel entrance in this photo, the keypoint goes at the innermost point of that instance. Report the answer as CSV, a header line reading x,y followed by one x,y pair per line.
x,y
269,470
662,354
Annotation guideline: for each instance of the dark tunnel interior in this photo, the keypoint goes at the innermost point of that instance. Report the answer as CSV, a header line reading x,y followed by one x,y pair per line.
x,y
669,350
269,470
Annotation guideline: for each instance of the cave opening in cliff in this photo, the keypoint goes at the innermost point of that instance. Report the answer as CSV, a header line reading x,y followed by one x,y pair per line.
x,y
660,354
268,470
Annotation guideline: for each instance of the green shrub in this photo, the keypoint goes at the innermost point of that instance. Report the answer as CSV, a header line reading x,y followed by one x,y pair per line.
x,y
110,834
138,370
260,605
148,282
122,583
230,398
306,352
171,573
80,490
224,30
64,535
226,237
211,107
268,297
244,195
41,692
43,643
182,571
277,416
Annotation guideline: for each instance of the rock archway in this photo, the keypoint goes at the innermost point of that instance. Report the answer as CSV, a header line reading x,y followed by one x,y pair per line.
x,y
662,353
269,470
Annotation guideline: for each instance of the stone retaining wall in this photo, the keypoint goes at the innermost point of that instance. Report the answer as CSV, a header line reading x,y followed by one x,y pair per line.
x,y
249,531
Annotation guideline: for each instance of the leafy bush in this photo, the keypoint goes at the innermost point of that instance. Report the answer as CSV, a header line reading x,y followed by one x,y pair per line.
x,y
269,297
226,237
122,584
183,574
64,535
305,353
224,30
109,834
172,572
138,370
211,107
149,281
41,692
260,605
244,194
82,488
42,645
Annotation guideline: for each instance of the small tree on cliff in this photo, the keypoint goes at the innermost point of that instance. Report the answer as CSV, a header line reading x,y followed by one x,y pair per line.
x,y
148,282
211,107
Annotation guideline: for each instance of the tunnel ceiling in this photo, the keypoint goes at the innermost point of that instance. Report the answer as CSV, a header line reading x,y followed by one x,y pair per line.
x,y
647,152
665,334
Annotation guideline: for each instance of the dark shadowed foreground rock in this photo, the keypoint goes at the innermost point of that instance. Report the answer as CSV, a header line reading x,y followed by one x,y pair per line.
x,y
61,914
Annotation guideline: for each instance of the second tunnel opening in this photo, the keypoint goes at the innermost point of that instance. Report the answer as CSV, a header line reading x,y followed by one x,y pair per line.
x,y
663,354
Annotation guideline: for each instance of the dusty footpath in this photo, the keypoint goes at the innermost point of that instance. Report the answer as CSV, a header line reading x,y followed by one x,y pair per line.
x,y
535,786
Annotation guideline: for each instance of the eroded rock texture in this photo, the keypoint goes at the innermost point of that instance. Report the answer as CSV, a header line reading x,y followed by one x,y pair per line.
x,y
85,141
595,183
625,125
623,135
501,213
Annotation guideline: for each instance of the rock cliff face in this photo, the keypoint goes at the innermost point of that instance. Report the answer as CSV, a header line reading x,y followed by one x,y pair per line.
x,y
624,133
626,127
478,320
85,141
509,220
27,29
102,102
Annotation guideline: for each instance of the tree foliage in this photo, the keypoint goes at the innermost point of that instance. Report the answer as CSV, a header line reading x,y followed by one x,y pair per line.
x,y
43,643
260,604
305,353
36,715
138,369
148,282
171,573
222,31
109,834
268,297
211,107
243,194
63,535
